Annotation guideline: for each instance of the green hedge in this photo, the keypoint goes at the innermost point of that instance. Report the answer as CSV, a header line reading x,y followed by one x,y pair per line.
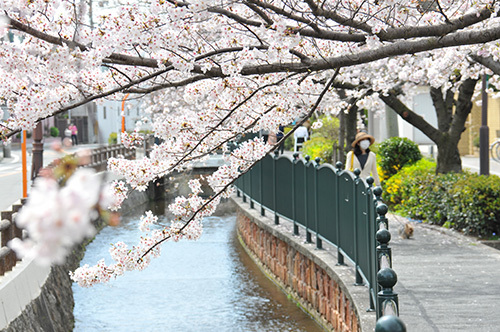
x,y
394,153
466,201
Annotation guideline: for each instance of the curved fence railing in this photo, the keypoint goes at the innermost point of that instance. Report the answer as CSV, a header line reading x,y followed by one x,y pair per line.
x,y
333,205
8,228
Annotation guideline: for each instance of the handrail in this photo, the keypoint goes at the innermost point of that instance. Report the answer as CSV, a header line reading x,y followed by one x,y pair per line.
x,y
335,206
9,229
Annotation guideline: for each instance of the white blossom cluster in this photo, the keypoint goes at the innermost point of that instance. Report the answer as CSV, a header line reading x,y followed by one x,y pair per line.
x,y
57,218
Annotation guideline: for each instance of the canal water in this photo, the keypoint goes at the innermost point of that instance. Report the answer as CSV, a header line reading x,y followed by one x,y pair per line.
x,y
205,285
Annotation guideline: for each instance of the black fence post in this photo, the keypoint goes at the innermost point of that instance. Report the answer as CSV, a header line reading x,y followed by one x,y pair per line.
x,y
359,279
390,324
387,299
340,257
250,189
275,184
319,242
294,207
306,202
261,191
370,238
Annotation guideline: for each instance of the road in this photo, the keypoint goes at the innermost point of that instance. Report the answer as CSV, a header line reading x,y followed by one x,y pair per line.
x,y
11,172
472,163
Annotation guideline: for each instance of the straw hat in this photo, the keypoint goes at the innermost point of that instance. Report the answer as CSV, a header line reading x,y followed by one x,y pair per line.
x,y
361,136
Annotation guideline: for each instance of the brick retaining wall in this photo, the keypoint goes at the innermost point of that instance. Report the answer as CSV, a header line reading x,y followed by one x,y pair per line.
x,y
309,275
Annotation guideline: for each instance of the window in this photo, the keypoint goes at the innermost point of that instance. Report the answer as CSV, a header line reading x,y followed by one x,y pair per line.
x,y
104,112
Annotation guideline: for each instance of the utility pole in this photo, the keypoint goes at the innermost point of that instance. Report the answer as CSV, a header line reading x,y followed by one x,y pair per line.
x,y
37,158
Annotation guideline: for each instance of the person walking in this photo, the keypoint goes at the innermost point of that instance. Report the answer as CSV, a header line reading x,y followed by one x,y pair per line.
x,y
362,158
279,136
74,133
300,135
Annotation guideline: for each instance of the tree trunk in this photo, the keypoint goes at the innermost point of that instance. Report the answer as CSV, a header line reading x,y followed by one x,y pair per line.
x,y
451,126
351,122
448,158
341,145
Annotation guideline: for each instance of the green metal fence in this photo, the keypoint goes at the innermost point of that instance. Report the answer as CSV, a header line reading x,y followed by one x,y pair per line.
x,y
333,205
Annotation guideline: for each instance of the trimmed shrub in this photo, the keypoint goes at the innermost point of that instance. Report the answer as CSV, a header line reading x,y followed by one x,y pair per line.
x,y
474,205
466,201
396,152
113,138
54,132
318,147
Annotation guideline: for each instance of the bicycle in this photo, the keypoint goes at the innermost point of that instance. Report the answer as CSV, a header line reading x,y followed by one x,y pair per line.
x,y
495,150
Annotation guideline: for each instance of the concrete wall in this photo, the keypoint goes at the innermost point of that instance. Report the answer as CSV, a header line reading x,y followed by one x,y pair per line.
x,y
310,276
35,298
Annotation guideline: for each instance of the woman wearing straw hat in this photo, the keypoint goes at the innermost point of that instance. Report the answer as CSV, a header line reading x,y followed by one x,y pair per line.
x,y
361,157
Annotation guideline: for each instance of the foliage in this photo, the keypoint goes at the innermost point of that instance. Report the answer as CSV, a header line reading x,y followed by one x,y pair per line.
x,y
396,152
475,141
466,201
329,129
290,140
54,131
318,147
113,138
323,139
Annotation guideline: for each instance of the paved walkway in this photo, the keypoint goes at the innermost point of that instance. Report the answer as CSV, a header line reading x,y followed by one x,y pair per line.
x,y
446,281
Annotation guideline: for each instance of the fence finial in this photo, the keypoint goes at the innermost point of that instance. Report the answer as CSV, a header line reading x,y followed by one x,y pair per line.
x,y
390,324
377,191
369,181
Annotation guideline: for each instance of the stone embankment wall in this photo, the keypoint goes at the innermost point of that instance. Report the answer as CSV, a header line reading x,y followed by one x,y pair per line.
x,y
43,296
310,276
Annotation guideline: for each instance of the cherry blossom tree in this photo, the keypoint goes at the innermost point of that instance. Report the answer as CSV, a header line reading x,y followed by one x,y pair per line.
x,y
213,70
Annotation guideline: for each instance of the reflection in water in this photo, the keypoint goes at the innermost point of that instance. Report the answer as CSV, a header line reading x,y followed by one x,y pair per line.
x,y
205,285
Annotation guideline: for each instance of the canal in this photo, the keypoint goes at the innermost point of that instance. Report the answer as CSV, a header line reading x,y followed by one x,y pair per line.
x,y
205,285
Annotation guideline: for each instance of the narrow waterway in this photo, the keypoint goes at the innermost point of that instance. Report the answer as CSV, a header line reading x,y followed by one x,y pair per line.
x,y
205,285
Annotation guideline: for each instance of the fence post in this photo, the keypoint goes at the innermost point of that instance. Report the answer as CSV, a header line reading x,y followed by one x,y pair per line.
x,y
261,191
294,208
388,303
340,257
275,185
390,324
250,172
359,279
319,243
306,202
372,255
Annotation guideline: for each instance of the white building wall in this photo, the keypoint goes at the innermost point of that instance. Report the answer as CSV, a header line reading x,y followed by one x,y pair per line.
x,y
109,117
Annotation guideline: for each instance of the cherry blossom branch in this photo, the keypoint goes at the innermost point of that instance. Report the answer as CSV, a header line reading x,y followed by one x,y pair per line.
x,y
228,115
489,62
276,145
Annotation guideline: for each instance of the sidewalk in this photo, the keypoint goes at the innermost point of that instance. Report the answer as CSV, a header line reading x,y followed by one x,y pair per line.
x,y
446,281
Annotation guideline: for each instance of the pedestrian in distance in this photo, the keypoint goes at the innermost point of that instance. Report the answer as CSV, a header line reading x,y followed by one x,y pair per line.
x,y
279,136
362,158
74,133
300,135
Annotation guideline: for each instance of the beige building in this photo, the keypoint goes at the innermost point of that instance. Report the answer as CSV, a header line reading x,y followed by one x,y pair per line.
x,y
469,143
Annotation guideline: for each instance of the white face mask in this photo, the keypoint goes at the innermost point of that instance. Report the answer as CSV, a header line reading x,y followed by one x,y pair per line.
x,y
364,144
